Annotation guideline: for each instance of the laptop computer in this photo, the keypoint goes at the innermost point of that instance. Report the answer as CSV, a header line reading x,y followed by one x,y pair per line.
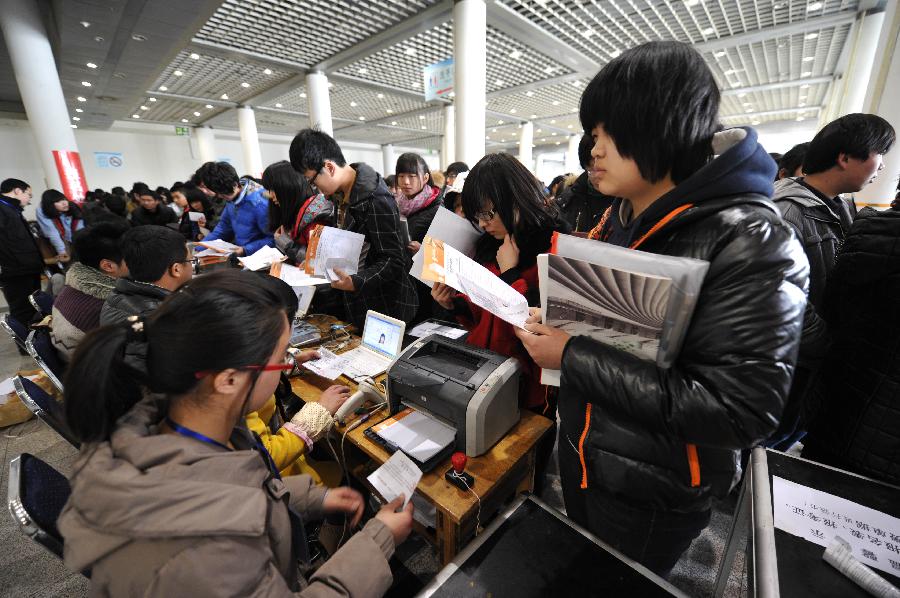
x,y
382,342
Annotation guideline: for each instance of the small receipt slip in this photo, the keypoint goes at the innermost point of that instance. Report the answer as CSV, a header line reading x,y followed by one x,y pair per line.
x,y
414,433
328,365
399,475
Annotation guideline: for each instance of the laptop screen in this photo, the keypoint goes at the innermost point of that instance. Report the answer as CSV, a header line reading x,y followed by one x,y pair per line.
x,y
383,336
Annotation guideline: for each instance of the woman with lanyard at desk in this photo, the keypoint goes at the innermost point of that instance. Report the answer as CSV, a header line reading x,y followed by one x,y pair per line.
x,y
171,495
294,209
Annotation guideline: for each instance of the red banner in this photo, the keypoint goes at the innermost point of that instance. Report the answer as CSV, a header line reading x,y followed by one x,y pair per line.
x,y
68,165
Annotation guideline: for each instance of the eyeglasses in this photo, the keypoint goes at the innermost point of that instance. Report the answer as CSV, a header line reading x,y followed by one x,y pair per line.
x,y
287,365
485,215
312,180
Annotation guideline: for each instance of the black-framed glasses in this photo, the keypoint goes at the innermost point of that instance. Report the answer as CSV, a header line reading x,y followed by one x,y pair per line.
x,y
312,180
485,215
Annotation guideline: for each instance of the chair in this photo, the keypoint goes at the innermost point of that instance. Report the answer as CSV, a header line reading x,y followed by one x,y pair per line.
x,y
15,329
36,496
44,407
44,354
42,302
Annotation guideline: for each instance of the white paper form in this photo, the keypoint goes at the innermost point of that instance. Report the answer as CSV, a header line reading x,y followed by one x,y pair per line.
x,y
196,216
296,277
426,328
416,434
337,248
218,246
399,475
818,517
264,257
454,231
328,365
483,288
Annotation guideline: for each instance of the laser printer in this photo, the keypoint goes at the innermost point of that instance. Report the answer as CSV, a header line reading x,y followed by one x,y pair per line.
x,y
476,391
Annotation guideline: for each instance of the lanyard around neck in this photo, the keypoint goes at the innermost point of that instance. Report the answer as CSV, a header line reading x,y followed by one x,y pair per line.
x,y
194,434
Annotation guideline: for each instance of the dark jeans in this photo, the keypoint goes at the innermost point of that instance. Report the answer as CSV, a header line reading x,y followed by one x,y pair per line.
x,y
652,537
16,290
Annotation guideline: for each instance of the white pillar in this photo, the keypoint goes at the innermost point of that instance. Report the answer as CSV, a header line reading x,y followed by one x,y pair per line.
x,y
469,82
448,143
882,191
526,140
205,143
250,141
862,58
387,158
572,165
319,102
42,95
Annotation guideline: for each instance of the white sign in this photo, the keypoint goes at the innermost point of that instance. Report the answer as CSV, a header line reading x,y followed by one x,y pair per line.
x,y
818,517
438,80
109,159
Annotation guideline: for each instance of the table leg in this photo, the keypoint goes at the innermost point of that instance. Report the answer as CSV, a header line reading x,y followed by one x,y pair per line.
x,y
447,536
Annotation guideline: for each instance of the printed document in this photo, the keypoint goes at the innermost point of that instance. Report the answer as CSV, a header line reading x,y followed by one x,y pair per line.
x,y
416,434
328,365
264,257
426,328
330,248
445,264
457,232
296,277
218,246
397,476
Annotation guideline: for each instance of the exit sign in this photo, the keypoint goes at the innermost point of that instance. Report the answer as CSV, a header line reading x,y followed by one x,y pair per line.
x,y
183,131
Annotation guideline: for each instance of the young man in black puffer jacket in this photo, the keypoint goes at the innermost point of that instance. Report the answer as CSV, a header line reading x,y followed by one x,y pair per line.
x,y
644,450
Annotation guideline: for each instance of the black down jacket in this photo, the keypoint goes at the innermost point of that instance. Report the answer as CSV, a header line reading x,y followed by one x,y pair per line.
x,y
668,438
854,402
131,298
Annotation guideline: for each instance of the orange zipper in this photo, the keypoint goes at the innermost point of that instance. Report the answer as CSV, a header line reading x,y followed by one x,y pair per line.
x,y
693,464
584,433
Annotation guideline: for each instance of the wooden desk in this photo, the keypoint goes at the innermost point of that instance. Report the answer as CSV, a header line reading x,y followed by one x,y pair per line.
x,y
500,474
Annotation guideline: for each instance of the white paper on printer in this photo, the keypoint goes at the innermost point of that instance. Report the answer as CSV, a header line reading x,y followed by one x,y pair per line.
x,y
418,435
296,277
219,246
426,328
399,475
445,264
264,257
337,248
454,231
328,365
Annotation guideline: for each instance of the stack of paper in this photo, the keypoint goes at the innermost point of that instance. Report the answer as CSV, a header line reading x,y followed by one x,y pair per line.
x,y
416,434
263,258
446,265
217,247
454,231
332,248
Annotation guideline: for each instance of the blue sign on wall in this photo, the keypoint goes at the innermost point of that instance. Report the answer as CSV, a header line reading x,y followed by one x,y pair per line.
x,y
109,159
438,80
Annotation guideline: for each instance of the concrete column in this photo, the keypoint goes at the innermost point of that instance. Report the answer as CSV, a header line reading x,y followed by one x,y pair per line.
x,y
862,59
880,193
470,58
42,95
249,141
572,165
448,143
387,158
319,102
526,140
205,144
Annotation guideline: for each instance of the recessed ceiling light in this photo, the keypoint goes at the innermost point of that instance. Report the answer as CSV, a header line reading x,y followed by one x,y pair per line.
x,y
85,24
553,132
91,65
558,142
99,39
588,32
549,70
755,122
808,58
802,104
163,88
513,111
74,126
278,105
209,106
732,71
421,117
742,94
569,127
81,99
79,110
814,6
138,37
806,73
533,116
503,141
415,84
811,35
556,102
152,99
75,118
353,104
749,110
302,95
410,51
529,93
224,96
144,108
804,86
362,71
424,128
576,83
747,104
800,119
362,118
245,85
330,85
615,53
720,54
691,2
135,116
389,111
86,83
499,82
553,121
178,73
499,122
196,114
394,123
195,56
267,71
539,131
515,54
493,130
184,120
708,31
380,96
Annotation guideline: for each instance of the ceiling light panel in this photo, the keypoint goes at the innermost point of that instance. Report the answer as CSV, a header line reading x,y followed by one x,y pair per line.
x,y
542,101
773,99
395,67
166,110
304,31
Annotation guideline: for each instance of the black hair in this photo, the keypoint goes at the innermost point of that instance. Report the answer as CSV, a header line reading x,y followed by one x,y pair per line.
x,y
585,145
793,159
557,180
218,177
115,203
99,242
139,188
117,191
291,189
150,250
455,168
390,180
10,185
517,197
150,193
311,147
412,163
776,156
285,293
668,131
226,319
50,197
193,194
857,135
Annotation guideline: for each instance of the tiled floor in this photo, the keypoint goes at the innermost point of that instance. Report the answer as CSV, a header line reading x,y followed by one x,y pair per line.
x,y
27,570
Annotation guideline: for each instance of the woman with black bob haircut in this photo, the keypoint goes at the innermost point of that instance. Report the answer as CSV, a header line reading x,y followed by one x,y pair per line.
x,y
417,199
294,209
502,197
171,495
643,450
58,218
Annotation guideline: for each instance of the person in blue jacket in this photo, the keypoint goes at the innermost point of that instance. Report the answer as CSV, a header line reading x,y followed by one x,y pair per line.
x,y
245,220
58,219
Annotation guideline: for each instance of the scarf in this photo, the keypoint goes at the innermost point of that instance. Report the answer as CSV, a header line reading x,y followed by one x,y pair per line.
x,y
421,201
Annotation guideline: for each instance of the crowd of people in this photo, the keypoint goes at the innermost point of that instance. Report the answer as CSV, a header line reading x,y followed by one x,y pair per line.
x,y
190,462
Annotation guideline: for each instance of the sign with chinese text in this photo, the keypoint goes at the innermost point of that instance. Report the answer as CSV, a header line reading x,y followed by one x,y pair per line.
x,y
71,174
438,80
818,517
109,159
